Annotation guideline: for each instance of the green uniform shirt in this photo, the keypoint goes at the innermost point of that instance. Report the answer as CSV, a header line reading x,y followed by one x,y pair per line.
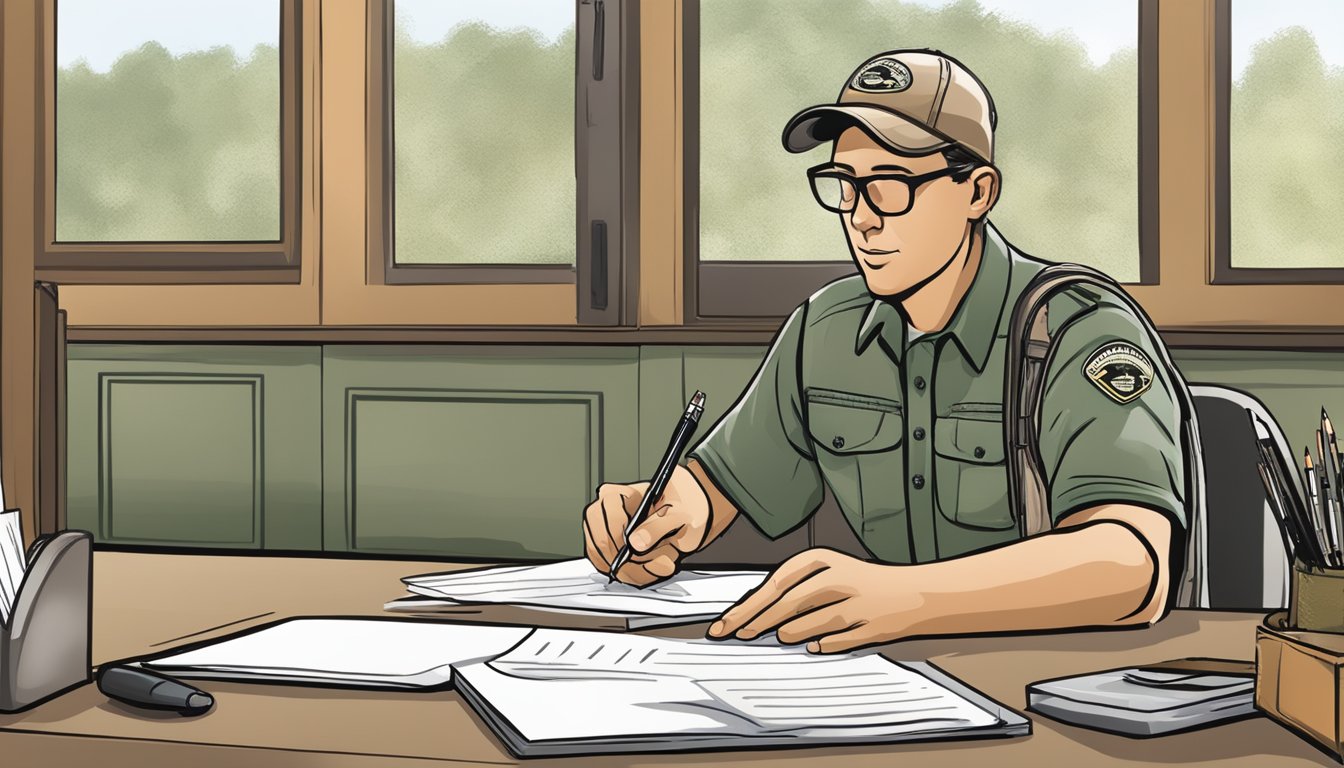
x,y
909,435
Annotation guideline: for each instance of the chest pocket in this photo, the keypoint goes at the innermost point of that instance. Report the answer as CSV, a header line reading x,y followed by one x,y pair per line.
x,y
846,423
969,473
857,440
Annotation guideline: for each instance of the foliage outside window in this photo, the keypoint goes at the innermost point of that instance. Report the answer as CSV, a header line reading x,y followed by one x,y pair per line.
x,y
1285,125
168,121
1064,80
483,115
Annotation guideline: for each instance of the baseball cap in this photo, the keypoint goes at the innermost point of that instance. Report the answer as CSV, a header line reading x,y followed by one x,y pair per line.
x,y
915,101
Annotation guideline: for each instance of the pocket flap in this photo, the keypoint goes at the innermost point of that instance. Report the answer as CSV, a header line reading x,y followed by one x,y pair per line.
x,y
849,429
972,440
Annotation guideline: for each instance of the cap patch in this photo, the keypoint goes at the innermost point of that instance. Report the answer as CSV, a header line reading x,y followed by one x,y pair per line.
x,y
1120,370
883,76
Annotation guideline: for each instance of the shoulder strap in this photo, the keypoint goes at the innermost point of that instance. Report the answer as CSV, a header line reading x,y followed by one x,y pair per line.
x,y
1029,354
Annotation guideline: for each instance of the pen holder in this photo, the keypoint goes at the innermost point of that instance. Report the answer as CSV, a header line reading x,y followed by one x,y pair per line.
x,y
1316,603
45,648
1299,681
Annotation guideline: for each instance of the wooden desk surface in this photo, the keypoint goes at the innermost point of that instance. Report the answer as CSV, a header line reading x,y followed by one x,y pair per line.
x,y
148,603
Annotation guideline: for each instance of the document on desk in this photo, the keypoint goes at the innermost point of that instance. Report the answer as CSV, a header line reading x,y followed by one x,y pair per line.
x,y
574,586
655,694
366,653
13,561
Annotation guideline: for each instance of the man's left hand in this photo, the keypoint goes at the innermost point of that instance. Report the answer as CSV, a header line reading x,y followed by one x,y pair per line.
x,y
829,600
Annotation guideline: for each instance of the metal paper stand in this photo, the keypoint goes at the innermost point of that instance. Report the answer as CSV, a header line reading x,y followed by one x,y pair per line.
x,y
45,648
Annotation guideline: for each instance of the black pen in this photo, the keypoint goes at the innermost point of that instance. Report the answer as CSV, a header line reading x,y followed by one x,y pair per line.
x,y
680,438
151,690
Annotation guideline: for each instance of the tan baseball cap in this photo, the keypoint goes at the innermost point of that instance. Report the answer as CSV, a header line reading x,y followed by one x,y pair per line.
x,y
914,101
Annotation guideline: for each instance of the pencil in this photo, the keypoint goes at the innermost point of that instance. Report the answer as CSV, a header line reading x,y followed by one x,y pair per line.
x,y
1334,462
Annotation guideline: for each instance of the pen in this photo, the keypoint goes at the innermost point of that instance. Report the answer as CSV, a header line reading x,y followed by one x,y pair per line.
x,y
1332,454
1279,471
1287,527
1328,506
680,438
1314,504
143,688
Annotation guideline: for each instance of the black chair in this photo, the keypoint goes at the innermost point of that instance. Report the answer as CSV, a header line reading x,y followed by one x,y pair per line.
x,y
1238,553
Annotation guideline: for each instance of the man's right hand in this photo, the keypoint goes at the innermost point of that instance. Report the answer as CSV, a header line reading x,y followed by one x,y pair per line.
x,y
678,524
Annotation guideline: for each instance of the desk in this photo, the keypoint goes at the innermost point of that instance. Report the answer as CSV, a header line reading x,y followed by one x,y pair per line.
x,y
148,603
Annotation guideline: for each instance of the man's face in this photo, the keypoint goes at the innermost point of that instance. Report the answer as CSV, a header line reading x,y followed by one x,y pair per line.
x,y
897,253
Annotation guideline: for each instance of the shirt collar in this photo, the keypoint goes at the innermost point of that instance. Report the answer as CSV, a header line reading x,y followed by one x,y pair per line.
x,y
976,320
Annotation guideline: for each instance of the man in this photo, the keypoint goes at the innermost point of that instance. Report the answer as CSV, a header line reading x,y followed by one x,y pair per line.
x,y
888,388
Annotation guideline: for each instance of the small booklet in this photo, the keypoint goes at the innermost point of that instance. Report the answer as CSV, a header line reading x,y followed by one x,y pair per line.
x,y
1150,701
645,694
575,588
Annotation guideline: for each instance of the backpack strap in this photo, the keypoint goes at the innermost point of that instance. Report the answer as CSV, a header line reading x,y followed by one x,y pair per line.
x,y
1030,351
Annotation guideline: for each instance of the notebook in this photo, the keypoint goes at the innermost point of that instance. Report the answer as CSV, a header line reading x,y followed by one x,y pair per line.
x,y
363,653
575,588
642,694
1150,701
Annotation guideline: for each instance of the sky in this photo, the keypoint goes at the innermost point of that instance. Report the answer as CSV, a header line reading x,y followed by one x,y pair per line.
x,y
99,31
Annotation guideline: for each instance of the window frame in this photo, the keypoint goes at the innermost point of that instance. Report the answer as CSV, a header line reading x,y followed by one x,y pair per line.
x,y
174,261
766,291
606,145
1223,272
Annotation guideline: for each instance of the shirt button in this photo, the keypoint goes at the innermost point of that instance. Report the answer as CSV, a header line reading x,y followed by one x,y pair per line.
x,y
838,442
919,433
979,452
917,481
919,383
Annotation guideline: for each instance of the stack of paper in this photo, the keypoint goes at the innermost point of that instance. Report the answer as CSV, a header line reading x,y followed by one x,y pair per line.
x,y
373,653
13,563
574,586
644,693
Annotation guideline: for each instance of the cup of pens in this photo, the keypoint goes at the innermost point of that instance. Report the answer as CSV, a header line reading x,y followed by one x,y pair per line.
x,y
1317,598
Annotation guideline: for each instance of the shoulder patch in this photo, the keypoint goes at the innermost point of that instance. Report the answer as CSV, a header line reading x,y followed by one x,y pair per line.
x,y
1120,370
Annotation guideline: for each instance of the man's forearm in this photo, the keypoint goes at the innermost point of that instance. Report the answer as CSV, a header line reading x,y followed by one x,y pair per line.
x,y
1098,572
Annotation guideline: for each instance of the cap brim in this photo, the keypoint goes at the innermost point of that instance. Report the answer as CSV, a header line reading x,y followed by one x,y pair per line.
x,y
821,124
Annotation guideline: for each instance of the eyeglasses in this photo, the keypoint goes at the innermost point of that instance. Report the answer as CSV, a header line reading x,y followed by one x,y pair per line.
x,y
890,194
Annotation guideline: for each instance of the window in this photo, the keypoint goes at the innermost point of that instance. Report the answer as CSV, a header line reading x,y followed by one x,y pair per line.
x,y
489,173
1059,77
482,121
1281,113
171,139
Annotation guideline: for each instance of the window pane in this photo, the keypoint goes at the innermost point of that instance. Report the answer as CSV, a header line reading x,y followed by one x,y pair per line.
x,y
484,132
1064,78
1287,117
167,120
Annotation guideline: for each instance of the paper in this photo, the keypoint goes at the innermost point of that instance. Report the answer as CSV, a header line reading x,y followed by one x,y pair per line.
x,y
13,561
365,652
576,585
633,685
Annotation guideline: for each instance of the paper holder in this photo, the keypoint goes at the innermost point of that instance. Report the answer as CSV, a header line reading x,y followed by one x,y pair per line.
x,y
45,648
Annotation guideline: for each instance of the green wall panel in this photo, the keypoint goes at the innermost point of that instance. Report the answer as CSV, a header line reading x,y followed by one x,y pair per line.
x,y
191,472
195,445
473,451
484,451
